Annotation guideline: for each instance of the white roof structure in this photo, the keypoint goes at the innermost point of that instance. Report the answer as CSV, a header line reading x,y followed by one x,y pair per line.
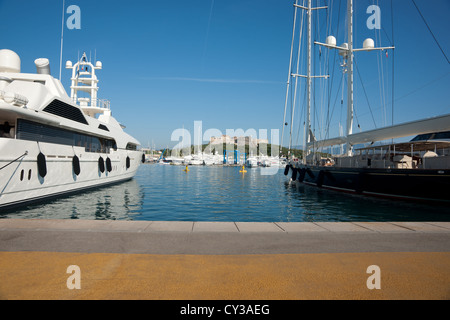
x,y
435,124
28,95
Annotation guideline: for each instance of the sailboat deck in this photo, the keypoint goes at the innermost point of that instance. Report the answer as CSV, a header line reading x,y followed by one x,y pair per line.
x,y
416,146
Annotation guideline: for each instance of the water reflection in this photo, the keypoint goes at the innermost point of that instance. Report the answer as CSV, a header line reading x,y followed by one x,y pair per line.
x,y
123,201
316,204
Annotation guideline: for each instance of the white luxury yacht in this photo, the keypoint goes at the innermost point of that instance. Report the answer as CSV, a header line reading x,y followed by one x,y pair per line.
x,y
52,144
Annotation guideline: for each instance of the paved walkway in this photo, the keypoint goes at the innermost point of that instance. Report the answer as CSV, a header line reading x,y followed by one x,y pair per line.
x,y
223,260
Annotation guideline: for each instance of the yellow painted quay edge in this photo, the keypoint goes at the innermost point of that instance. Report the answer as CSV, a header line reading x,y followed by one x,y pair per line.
x,y
44,275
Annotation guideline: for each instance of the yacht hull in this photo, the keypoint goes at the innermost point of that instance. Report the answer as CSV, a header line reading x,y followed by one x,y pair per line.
x,y
428,185
21,181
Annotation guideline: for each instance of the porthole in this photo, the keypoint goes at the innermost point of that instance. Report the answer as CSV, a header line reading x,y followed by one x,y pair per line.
x,y
29,174
21,175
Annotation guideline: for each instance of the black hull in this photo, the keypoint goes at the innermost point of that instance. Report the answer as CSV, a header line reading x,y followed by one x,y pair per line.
x,y
421,185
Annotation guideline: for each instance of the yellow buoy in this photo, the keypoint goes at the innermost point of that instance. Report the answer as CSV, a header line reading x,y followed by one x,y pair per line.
x,y
243,169
186,170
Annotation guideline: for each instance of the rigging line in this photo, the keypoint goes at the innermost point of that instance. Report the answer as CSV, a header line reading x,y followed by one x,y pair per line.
x,y
327,65
425,85
297,140
300,57
420,88
387,36
329,85
207,32
290,127
356,116
332,110
392,25
335,101
381,77
313,83
318,119
322,63
26,153
385,33
393,63
342,99
429,29
289,74
296,79
381,81
364,90
300,116
62,40
331,82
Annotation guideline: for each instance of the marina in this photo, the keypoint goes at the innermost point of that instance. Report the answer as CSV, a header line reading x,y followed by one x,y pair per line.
x,y
339,208
54,144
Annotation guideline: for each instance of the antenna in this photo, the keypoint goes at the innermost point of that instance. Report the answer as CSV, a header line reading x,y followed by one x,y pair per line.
x,y
346,50
62,37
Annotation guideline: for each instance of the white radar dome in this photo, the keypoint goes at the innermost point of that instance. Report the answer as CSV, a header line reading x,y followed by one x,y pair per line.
x,y
9,61
368,44
331,40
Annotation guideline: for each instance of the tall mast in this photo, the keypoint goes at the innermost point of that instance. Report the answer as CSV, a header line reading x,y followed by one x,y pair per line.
x,y
308,79
309,9
350,74
347,50
289,78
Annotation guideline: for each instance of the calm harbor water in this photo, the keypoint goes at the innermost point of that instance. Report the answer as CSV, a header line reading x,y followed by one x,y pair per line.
x,y
167,193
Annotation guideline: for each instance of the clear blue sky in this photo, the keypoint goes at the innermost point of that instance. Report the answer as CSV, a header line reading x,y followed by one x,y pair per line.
x,y
167,64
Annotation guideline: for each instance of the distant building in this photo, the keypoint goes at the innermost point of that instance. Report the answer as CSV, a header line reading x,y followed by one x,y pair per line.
x,y
250,141
222,139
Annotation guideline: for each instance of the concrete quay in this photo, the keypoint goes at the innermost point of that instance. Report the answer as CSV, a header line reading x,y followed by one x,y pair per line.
x,y
224,260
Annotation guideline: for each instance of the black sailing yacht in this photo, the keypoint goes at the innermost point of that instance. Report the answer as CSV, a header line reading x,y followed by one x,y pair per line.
x,y
418,169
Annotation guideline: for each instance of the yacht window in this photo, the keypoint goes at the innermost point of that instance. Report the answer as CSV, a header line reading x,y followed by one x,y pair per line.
x,y
432,136
32,131
442,135
422,137
65,110
131,146
6,130
103,127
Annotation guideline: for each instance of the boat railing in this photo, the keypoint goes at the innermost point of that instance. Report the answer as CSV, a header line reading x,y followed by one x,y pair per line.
x,y
388,158
104,104
95,103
